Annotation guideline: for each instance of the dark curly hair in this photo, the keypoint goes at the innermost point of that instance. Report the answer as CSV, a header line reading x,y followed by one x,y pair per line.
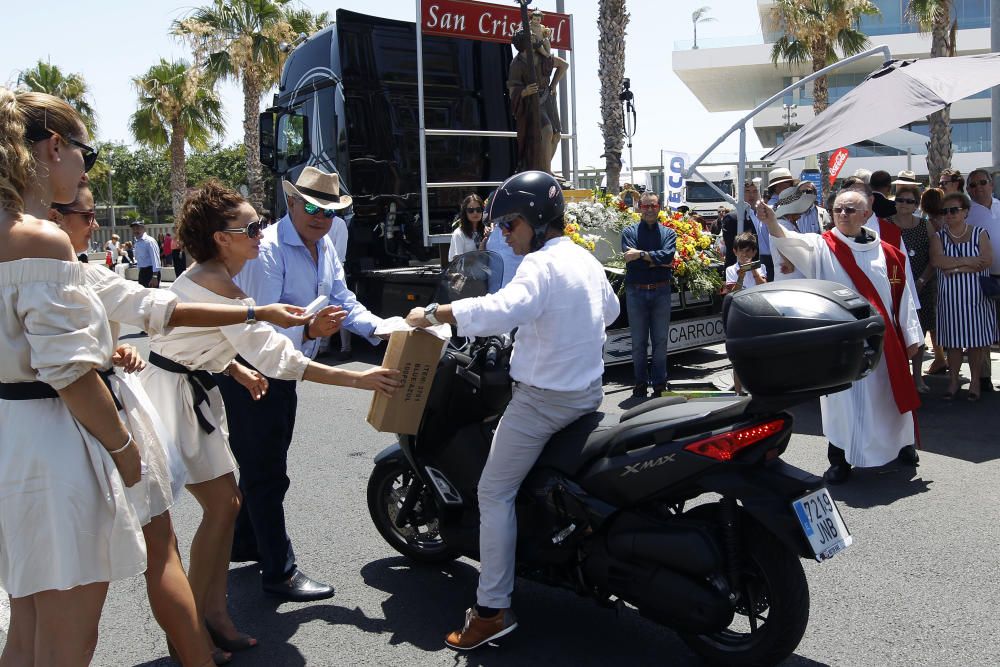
x,y
207,209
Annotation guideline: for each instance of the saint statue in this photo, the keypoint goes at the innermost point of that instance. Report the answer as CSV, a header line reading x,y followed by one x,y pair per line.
x,y
535,89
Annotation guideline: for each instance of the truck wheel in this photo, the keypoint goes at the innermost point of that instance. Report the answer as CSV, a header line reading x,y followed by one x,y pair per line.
x,y
773,610
418,539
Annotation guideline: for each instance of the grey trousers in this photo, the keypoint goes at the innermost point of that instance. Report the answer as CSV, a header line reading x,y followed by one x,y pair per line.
x,y
532,417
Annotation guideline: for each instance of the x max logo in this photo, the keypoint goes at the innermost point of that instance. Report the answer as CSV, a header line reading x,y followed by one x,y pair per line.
x,y
646,465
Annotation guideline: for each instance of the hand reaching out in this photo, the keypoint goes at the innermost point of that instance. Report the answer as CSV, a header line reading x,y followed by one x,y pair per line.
x,y
282,315
383,380
326,322
128,359
254,382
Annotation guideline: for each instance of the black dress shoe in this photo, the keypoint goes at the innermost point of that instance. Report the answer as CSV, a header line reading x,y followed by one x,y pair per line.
x,y
658,390
838,473
640,391
299,588
908,456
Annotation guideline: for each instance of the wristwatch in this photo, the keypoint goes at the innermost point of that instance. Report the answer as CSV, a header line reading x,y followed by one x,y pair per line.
x,y
429,314
642,254
251,315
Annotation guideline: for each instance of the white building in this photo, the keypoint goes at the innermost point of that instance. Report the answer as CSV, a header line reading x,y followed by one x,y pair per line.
x,y
736,74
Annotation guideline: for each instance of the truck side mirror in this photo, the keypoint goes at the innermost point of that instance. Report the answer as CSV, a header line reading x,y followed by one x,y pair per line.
x,y
267,144
292,141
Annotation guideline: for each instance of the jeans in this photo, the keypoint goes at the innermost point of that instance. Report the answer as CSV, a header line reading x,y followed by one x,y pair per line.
x,y
649,316
533,416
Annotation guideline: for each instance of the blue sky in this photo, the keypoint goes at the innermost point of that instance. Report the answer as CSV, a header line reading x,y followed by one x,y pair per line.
x,y
111,41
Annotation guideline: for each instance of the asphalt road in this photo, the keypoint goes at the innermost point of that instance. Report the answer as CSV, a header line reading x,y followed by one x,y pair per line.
x,y
920,585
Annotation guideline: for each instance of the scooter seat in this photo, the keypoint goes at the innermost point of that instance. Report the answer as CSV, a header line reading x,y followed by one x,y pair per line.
x,y
590,437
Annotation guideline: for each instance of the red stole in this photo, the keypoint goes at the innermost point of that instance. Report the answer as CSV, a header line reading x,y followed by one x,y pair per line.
x,y
890,232
894,350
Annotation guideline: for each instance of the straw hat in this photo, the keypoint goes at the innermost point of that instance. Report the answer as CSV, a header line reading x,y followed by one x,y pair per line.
x,y
779,175
794,202
906,177
318,188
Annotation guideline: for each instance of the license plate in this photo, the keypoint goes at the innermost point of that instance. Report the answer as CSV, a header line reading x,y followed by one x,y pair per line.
x,y
822,524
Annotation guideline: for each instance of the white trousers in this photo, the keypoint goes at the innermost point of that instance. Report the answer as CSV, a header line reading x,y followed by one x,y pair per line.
x,y
533,416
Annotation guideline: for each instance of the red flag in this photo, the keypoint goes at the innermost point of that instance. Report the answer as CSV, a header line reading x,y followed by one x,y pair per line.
x,y
837,160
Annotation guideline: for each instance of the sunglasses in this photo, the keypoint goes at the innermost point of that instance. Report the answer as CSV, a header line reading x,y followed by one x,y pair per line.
x,y
950,180
905,200
89,214
952,210
648,207
507,223
808,192
252,230
477,209
312,209
978,184
89,153
845,210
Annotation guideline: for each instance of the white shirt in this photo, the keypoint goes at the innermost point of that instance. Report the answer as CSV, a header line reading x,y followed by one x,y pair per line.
x,y
561,302
988,219
460,244
338,237
733,270
113,247
779,258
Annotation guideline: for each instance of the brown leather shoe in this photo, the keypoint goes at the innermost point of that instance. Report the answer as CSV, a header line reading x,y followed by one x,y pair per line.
x,y
478,631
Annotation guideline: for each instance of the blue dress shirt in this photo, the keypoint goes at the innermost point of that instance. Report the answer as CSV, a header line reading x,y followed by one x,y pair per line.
x,y
147,253
284,272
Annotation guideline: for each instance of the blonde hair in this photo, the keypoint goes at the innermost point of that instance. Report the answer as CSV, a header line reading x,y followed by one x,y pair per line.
x,y
25,118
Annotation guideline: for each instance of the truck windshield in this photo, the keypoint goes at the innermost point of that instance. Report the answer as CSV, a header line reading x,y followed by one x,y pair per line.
x,y
698,191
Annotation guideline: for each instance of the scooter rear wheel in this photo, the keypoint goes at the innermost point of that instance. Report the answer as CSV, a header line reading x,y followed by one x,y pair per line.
x,y
418,538
773,610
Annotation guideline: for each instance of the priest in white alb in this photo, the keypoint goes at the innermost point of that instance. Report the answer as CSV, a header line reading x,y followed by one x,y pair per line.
x,y
871,423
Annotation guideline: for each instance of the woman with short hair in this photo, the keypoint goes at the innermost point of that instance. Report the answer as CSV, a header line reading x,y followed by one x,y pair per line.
x,y
962,253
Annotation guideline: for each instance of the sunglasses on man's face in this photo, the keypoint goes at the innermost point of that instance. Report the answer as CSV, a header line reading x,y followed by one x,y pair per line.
x,y
89,215
952,210
845,210
905,200
252,230
946,182
978,184
648,207
312,209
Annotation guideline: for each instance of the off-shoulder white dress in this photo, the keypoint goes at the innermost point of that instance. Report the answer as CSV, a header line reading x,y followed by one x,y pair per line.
x,y
65,520
207,455
128,302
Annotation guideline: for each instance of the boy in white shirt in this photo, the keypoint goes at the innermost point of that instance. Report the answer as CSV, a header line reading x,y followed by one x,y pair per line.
x,y
745,247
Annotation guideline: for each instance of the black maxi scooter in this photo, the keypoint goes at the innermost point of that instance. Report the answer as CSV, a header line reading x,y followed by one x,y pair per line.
x,y
682,509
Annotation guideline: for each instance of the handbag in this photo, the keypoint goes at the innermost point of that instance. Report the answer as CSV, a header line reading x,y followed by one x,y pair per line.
x,y
990,287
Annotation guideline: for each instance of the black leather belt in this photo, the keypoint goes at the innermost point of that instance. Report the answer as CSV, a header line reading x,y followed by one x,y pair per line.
x,y
200,381
33,391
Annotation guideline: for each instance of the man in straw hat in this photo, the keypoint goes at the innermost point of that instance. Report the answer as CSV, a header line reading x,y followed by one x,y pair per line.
x,y
297,264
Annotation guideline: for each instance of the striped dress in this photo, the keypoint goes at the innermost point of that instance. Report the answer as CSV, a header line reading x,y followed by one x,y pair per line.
x,y
965,318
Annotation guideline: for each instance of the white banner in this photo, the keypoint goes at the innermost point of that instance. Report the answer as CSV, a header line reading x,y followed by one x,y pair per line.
x,y
674,166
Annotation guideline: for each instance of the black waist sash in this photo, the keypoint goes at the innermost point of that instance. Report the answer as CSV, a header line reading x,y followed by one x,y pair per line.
x,y
33,391
200,381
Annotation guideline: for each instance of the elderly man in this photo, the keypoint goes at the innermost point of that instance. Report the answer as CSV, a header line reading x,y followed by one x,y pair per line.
x,y
297,264
985,213
871,423
649,255
147,256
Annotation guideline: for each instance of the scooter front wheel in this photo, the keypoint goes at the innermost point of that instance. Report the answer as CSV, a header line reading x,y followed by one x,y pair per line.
x,y
418,538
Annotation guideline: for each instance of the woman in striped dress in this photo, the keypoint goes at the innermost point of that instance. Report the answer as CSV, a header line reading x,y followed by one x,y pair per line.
x,y
962,253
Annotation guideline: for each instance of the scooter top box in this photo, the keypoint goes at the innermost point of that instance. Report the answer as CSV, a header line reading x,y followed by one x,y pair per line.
x,y
415,354
801,336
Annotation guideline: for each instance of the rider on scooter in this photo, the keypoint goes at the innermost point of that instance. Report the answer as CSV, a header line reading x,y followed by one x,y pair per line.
x,y
561,302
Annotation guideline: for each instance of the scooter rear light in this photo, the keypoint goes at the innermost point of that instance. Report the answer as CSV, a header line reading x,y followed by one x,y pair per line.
x,y
725,446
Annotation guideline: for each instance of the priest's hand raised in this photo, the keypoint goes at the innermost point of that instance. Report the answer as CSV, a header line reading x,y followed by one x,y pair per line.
x,y
766,215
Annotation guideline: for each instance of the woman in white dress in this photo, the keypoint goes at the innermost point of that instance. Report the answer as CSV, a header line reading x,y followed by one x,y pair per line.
x,y
154,310
221,231
66,527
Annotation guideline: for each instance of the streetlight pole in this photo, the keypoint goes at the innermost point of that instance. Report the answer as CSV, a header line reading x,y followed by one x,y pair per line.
x,y
111,202
789,114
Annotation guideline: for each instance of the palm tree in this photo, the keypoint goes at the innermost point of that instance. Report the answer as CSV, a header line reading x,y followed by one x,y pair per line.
x,y
812,32
45,77
177,105
612,19
700,15
934,16
239,40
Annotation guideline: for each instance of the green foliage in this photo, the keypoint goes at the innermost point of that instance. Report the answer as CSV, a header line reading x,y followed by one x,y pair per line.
x,y
813,30
175,97
228,164
45,77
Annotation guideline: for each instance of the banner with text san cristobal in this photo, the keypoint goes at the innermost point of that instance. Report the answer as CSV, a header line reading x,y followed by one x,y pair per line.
x,y
484,21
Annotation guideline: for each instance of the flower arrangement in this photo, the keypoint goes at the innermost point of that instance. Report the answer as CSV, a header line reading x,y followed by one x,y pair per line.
x,y
587,241
695,266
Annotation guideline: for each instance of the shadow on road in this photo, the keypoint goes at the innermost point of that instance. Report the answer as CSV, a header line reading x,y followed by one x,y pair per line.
x,y
877,487
426,602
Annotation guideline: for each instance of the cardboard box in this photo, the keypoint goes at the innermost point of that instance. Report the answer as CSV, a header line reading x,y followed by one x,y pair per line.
x,y
416,354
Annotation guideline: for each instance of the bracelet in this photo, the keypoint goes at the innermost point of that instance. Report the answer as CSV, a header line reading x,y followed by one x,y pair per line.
x,y
123,447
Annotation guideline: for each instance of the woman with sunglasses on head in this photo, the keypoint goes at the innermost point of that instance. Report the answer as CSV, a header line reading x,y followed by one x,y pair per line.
x,y
469,234
155,310
962,253
917,233
66,527
221,231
